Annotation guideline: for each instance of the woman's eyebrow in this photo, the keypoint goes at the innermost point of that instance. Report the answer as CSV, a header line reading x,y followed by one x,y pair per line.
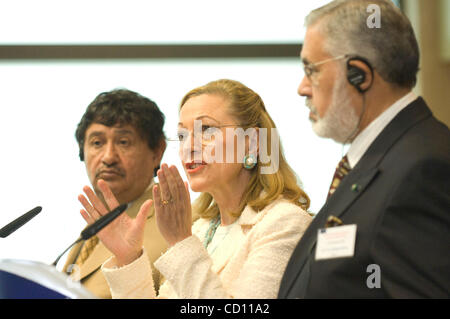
x,y
200,118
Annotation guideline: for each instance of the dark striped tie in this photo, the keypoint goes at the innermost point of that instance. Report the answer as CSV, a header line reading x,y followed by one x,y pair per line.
x,y
342,169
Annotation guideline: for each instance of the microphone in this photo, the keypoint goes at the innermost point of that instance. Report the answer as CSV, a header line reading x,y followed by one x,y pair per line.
x,y
102,222
19,222
94,228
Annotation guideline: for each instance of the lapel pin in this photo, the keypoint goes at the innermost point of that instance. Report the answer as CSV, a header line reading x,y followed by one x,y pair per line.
x,y
333,221
355,188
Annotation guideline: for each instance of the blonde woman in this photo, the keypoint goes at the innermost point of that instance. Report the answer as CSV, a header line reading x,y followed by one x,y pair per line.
x,y
252,211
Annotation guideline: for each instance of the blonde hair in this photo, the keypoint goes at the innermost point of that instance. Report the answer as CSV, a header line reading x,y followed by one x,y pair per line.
x,y
248,108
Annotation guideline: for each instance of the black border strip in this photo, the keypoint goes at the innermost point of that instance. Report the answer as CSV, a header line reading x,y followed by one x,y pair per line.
x,y
55,52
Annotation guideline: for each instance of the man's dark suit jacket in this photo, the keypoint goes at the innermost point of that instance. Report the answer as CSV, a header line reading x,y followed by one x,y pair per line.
x,y
398,195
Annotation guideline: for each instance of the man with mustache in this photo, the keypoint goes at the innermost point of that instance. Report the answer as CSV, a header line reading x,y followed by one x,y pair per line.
x,y
121,141
384,229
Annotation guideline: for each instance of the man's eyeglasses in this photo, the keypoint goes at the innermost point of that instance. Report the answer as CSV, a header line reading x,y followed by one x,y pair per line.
x,y
310,68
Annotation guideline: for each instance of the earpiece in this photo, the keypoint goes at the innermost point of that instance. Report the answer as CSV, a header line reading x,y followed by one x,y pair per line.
x,y
355,75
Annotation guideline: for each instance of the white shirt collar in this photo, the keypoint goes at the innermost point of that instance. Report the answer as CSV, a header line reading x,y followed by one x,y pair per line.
x,y
370,133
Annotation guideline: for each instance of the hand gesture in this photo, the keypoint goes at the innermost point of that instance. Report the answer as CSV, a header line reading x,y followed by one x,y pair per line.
x,y
124,236
172,205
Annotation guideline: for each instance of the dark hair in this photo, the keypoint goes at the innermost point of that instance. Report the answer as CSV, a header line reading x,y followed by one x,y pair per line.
x,y
123,107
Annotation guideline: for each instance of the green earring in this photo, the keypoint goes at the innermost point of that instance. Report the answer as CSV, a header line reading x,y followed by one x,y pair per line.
x,y
249,161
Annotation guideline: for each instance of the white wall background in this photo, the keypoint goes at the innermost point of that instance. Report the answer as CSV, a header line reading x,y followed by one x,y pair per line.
x,y
42,102
151,21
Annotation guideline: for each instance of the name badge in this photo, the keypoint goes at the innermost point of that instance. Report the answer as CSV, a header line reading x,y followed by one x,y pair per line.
x,y
336,242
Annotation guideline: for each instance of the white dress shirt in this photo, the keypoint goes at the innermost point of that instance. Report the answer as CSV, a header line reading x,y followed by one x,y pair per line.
x,y
370,133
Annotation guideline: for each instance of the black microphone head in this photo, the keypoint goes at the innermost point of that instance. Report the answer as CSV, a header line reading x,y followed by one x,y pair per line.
x,y
94,228
103,221
19,222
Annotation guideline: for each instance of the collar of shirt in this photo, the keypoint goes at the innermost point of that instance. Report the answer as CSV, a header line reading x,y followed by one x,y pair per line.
x,y
148,187
369,134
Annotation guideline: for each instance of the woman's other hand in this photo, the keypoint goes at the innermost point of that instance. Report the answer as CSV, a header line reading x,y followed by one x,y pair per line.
x,y
172,205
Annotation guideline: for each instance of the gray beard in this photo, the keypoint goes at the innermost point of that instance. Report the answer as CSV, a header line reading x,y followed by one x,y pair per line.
x,y
340,120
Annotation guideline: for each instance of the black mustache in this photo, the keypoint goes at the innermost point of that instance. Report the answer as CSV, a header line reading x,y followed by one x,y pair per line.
x,y
114,171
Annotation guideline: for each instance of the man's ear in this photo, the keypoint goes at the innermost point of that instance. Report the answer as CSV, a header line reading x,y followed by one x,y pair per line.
x,y
159,152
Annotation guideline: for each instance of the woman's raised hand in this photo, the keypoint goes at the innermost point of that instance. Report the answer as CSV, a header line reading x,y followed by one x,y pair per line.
x,y
124,236
172,205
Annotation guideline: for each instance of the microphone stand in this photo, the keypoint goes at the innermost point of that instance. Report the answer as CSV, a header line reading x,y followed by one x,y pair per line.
x,y
94,228
62,254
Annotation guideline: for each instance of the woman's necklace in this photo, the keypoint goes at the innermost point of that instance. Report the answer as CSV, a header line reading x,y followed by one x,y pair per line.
x,y
213,224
